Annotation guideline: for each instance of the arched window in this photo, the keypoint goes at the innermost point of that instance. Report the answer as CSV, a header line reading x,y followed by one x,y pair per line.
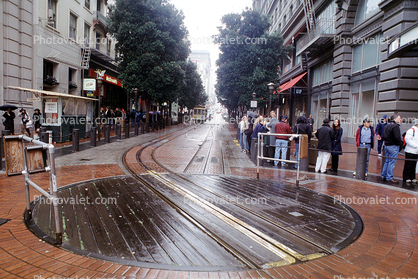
x,y
366,9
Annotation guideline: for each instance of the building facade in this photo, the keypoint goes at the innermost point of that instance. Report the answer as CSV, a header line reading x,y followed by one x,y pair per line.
x,y
202,60
351,59
53,46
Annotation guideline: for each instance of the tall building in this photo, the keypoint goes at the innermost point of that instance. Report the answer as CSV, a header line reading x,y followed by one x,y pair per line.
x,y
351,59
202,60
54,46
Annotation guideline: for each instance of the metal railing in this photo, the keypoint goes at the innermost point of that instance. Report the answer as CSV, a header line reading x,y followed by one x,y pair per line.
x,y
52,195
260,152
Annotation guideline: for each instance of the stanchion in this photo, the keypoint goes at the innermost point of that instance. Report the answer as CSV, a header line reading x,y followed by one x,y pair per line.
x,y
99,130
136,128
253,150
118,131
107,133
361,163
152,126
142,128
147,127
127,130
93,142
45,137
76,139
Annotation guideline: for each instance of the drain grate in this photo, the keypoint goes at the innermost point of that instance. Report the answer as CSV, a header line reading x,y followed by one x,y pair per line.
x,y
4,221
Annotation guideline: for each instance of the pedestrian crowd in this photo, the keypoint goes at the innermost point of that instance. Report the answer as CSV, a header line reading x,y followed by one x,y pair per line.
x,y
387,133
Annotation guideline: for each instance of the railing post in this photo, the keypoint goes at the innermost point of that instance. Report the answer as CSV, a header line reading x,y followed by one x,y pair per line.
x,y
118,131
127,130
93,142
258,154
53,190
107,133
361,163
76,143
99,130
28,211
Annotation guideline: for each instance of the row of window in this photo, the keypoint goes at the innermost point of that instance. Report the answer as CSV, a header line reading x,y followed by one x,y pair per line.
x,y
50,70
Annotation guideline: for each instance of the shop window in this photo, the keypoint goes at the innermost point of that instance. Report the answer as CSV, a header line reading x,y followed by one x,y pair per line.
x,y
73,26
322,73
366,9
87,4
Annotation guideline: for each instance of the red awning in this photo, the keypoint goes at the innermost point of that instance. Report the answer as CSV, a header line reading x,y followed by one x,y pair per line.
x,y
291,83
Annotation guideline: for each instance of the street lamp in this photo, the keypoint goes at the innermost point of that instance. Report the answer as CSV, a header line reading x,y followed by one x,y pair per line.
x,y
271,91
99,87
135,90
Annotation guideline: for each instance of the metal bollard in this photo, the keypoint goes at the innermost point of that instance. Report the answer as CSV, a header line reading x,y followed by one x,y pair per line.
x,y
93,142
107,133
361,163
1,153
136,128
142,128
118,131
127,128
152,126
76,140
45,137
98,133
253,150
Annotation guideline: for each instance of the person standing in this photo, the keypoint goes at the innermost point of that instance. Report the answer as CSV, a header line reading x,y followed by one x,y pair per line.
x,y
37,117
241,131
272,127
25,120
337,147
379,132
393,141
245,126
325,137
365,138
301,128
311,121
411,152
9,123
282,141
260,127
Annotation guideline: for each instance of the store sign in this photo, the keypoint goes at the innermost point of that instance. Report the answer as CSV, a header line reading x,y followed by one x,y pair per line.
x,y
90,94
51,107
33,99
89,84
253,104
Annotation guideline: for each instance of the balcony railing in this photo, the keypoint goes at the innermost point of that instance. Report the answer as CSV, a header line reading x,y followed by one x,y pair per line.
x,y
101,18
324,30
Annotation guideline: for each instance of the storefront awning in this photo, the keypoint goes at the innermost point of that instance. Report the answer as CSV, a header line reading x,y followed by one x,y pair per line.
x,y
287,85
51,93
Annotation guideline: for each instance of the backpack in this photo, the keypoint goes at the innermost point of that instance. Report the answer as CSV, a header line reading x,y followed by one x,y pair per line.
x,y
403,137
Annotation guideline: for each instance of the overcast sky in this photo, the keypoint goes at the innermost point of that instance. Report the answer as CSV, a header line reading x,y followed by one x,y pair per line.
x,y
203,16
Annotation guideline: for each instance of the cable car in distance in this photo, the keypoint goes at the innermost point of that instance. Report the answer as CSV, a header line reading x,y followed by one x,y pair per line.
x,y
199,114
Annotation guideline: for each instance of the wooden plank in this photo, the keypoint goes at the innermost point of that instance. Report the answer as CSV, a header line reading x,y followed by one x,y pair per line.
x,y
13,154
70,227
35,158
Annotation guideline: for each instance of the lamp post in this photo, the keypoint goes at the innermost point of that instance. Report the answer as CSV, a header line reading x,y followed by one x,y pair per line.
x,y
135,90
99,87
271,91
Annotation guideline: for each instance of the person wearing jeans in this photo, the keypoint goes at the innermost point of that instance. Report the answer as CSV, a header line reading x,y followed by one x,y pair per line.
x,y
281,141
393,141
365,138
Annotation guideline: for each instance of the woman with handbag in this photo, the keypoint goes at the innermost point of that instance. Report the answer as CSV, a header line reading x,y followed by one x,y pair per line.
x,y
26,121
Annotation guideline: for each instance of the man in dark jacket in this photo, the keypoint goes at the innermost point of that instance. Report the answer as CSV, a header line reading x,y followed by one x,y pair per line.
x,y
301,128
379,133
365,138
325,137
393,140
282,141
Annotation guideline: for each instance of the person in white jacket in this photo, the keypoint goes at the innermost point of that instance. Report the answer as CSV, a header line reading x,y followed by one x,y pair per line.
x,y
411,152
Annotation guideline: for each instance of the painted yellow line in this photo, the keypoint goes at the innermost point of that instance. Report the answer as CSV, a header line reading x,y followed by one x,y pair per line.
x,y
235,141
261,238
